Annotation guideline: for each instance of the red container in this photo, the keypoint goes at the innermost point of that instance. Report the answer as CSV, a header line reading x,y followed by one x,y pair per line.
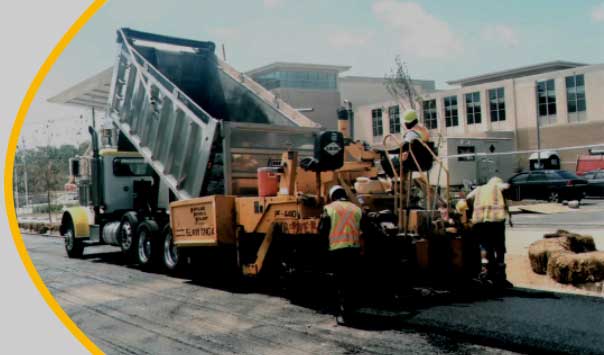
x,y
268,182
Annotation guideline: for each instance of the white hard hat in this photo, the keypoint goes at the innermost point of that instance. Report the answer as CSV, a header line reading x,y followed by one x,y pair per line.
x,y
334,189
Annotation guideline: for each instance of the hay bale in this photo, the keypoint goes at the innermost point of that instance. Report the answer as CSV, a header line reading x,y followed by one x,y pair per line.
x,y
577,242
540,251
582,243
560,233
567,267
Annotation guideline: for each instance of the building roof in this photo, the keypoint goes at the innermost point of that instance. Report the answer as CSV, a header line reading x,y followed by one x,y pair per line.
x,y
515,73
297,66
426,85
92,92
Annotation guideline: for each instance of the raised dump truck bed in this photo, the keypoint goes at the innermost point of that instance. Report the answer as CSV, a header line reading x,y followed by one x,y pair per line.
x,y
203,126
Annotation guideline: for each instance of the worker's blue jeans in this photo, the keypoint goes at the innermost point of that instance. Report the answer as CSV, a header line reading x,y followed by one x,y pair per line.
x,y
492,239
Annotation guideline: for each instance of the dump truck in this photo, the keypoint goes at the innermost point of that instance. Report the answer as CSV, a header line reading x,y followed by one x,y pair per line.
x,y
202,163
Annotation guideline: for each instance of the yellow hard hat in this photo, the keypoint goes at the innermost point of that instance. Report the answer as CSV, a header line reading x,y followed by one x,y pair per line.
x,y
461,206
409,116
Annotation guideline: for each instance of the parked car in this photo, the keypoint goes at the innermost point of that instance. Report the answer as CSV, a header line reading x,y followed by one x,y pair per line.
x,y
595,183
549,185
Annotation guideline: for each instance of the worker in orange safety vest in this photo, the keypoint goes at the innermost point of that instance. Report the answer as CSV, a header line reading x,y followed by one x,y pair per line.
x,y
341,224
415,130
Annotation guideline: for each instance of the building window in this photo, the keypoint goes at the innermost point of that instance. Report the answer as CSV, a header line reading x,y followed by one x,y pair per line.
x,y
497,104
575,98
473,108
466,150
298,79
394,118
430,118
451,112
546,101
376,122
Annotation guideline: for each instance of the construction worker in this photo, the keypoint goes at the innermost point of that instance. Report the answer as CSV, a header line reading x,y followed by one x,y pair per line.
x,y
341,223
415,130
488,218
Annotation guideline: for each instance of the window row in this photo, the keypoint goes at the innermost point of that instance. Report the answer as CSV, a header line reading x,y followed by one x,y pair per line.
x,y
473,109
394,121
546,104
575,99
298,79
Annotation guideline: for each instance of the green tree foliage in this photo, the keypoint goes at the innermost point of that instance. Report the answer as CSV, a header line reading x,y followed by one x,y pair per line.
x,y
47,168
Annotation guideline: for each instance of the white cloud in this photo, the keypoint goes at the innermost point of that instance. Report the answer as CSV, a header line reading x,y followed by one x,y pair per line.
x,y
348,39
502,34
272,4
597,13
420,32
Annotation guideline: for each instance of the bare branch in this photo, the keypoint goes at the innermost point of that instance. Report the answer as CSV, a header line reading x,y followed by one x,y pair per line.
x,y
400,86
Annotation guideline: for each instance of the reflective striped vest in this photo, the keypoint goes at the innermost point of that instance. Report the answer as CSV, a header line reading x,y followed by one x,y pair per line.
x,y
345,220
489,205
422,131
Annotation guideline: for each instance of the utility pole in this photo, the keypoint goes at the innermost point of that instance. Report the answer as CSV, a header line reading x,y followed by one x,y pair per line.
x,y
16,190
25,178
48,170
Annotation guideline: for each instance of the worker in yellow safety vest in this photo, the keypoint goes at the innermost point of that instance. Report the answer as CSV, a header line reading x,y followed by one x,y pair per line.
x,y
489,215
341,224
415,130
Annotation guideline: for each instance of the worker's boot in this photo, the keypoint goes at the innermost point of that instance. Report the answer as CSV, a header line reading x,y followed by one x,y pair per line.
x,y
502,280
340,317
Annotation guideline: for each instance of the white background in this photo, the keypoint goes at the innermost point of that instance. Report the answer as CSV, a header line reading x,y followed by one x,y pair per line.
x,y
28,32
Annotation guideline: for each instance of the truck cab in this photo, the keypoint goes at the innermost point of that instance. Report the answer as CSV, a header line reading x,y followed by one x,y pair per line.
x,y
117,189
122,174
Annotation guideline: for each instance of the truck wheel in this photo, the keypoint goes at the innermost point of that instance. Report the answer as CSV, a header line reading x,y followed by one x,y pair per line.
x,y
73,246
127,233
146,244
171,260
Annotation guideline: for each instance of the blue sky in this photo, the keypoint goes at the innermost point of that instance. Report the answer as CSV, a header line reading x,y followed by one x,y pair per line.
x,y
439,40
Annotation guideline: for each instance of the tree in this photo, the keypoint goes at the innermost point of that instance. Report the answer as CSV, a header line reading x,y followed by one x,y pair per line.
x,y
47,169
400,85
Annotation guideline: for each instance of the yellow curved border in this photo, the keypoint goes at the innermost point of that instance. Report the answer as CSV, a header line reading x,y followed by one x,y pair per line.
x,y
8,174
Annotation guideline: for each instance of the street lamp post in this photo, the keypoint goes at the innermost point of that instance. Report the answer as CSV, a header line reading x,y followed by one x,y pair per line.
x,y
544,91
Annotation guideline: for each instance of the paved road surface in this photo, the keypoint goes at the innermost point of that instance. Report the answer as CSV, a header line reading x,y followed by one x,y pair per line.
x,y
127,311
589,215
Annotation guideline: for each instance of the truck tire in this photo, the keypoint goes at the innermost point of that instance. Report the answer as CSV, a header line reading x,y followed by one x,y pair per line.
x,y
127,234
171,259
145,246
73,246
